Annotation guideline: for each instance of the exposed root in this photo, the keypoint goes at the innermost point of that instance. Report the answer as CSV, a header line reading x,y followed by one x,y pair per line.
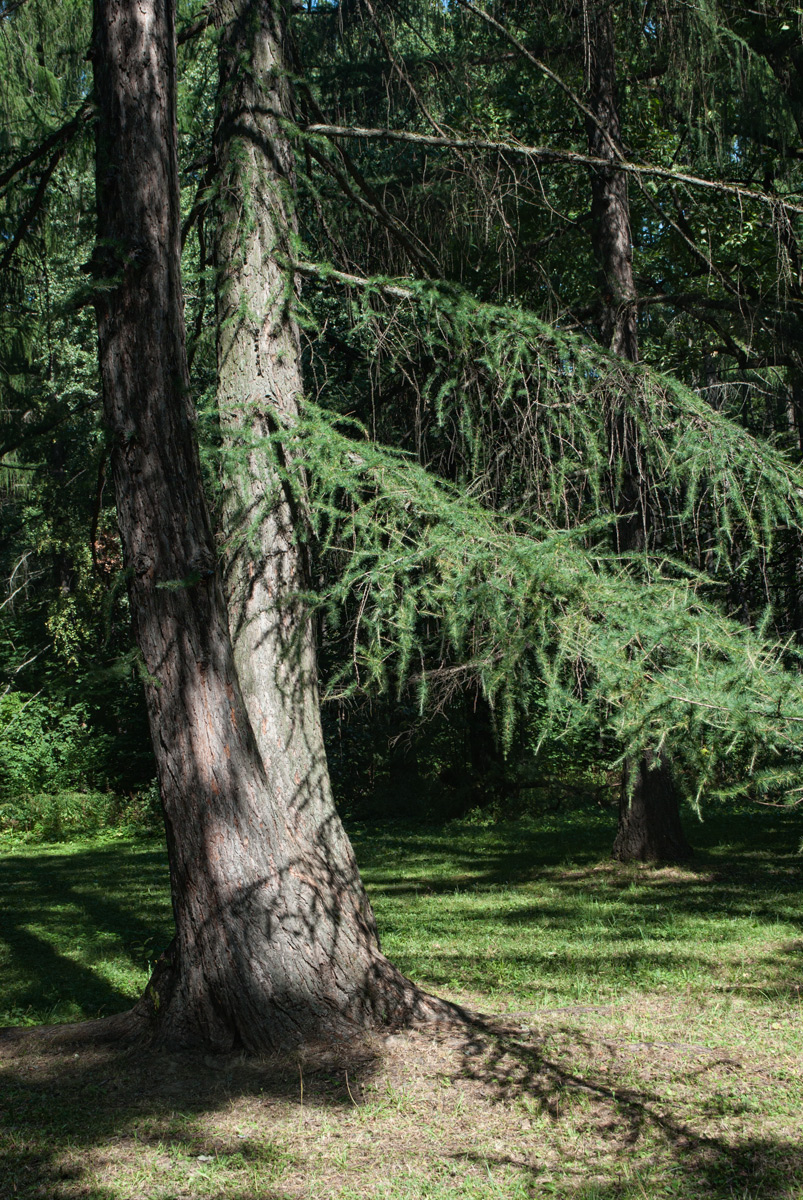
x,y
118,1030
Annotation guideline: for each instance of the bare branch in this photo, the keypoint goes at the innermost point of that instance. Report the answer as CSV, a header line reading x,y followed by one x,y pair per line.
x,y
549,154
398,65
420,253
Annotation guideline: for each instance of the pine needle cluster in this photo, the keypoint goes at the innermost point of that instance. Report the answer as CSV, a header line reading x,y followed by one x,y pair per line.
x,y
528,418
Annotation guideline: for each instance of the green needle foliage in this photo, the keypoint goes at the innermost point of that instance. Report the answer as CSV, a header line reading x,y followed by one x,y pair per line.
x,y
484,556
440,590
526,410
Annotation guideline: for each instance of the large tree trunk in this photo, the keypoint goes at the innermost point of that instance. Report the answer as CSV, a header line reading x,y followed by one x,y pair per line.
x,y
272,945
649,814
259,389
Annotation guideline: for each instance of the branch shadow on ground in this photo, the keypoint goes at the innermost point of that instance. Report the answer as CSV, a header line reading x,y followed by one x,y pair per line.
x,y
69,1093
632,1138
617,925
66,914
65,1103
62,1104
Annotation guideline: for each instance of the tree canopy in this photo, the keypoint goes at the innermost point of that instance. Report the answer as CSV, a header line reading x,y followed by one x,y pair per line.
x,y
469,440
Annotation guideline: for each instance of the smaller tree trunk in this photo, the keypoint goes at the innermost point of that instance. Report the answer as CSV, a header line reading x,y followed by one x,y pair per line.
x,y
260,386
649,819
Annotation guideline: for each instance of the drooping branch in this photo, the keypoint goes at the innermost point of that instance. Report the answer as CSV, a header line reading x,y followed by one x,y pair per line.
x,y
367,196
504,365
548,72
34,207
201,23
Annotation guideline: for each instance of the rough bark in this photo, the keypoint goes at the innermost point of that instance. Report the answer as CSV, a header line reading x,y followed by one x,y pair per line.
x,y
610,207
259,389
650,829
272,943
649,814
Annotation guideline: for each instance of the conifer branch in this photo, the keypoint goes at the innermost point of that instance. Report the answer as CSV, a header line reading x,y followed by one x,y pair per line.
x,y
323,272
63,134
549,73
34,207
492,367
414,247
553,629
207,17
548,154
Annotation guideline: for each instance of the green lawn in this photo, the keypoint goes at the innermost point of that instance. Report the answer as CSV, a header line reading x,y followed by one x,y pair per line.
x,y
511,916
652,1042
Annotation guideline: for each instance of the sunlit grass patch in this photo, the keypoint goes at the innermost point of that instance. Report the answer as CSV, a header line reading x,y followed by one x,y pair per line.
x,y
527,914
650,1041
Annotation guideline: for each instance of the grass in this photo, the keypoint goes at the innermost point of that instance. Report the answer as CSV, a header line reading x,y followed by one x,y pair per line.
x,y
648,1038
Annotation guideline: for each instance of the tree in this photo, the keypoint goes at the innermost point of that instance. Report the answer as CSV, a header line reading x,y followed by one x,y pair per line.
x,y
274,941
649,814
489,559
499,404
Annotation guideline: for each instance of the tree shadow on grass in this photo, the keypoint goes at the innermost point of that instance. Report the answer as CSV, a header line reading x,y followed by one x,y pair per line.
x,y
82,1118
637,1138
73,1098
61,1109
611,923
754,854
64,913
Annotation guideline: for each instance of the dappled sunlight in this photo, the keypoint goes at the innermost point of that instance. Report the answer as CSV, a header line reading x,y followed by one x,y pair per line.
x,y
578,1103
514,912
80,927
650,1040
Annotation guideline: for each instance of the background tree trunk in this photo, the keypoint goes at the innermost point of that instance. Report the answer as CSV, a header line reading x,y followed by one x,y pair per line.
x,y
272,945
649,814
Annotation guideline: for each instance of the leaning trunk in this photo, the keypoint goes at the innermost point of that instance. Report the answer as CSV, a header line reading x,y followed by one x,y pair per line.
x,y
272,944
259,391
649,813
